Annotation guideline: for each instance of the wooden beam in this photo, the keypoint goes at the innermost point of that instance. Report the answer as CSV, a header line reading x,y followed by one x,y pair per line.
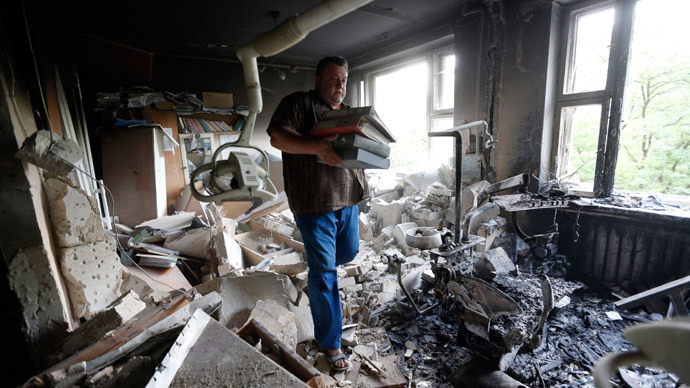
x,y
676,286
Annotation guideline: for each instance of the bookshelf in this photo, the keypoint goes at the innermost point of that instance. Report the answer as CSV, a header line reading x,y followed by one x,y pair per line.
x,y
201,134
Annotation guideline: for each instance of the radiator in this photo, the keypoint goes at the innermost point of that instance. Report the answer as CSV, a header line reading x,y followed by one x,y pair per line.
x,y
636,253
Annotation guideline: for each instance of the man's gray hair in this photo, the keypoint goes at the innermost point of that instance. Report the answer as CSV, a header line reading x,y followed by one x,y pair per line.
x,y
324,62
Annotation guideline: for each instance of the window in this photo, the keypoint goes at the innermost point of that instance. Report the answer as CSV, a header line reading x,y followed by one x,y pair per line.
x,y
413,98
624,89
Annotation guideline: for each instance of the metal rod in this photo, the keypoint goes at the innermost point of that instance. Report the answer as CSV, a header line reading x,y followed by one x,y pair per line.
x,y
402,286
455,132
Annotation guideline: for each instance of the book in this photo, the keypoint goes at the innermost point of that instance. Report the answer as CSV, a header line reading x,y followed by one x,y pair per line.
x,y
351,140
204,125
360,158
154,260
369,114
348,124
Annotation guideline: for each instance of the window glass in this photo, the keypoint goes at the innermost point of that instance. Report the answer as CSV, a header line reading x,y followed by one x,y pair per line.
x,y
400,98
654,153
579,142
588,64
442,148
445,82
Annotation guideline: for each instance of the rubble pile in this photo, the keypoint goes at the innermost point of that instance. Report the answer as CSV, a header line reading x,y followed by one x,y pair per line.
x,y
192,282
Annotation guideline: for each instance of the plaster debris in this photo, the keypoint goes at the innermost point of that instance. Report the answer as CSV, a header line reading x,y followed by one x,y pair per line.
x,y
290,264
227,250
192,242
33,278
346,282
50,151
304,322
493,262
387,214
366,227
121,311
92,274
277,319
241,293
491,230
74,215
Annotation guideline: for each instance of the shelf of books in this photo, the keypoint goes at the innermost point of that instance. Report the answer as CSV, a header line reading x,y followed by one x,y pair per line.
x,y
191,124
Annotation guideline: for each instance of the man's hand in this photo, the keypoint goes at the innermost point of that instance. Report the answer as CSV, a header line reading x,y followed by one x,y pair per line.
x,y
324,150
287,140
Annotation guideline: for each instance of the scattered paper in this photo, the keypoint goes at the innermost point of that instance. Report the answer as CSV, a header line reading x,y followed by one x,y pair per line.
x,y
614,316
169,142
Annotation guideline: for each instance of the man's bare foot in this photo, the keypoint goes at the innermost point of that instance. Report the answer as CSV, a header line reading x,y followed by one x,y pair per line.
x,y
338,360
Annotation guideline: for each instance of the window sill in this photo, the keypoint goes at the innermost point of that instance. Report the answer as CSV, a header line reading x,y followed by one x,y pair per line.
x,y
611,207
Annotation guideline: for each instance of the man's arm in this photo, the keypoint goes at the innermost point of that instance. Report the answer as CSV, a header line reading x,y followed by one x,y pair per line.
x,y
287,140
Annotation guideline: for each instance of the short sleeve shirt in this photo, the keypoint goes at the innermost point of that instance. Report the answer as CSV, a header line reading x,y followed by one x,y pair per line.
x,y
313,187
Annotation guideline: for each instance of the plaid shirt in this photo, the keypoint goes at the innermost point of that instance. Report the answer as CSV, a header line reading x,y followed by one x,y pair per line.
x,y
312,187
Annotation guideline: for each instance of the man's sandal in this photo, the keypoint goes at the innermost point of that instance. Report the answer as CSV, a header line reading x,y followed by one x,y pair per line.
x,y
333,358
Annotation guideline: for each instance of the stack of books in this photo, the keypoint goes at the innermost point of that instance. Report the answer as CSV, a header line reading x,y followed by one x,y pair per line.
x,y
363,140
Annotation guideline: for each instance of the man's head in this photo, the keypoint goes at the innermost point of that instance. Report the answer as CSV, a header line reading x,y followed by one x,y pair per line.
x,y
331,80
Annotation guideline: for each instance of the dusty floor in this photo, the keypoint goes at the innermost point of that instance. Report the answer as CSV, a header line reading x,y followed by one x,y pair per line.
x,y
578,334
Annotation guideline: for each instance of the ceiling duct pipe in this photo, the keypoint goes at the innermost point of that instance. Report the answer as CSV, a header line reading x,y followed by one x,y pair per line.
x,y
284,36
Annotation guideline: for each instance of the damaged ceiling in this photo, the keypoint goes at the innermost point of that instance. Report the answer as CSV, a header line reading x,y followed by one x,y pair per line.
x,y
216,29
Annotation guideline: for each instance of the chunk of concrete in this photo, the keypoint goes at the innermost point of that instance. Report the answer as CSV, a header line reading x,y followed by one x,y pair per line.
x,y
240,294
290,264
490,230
439,189
349,337
45,308
353,270
93,277
346,282
50,151
277,319
387,214
227,249
495,261
117,314
131,282
365,228
73,214
192,242
304,322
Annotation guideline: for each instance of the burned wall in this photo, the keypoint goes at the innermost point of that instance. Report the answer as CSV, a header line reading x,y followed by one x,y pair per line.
x,y
523,87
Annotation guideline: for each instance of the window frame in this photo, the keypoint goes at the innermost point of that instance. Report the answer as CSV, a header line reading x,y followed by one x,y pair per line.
x,y
610,98
433,58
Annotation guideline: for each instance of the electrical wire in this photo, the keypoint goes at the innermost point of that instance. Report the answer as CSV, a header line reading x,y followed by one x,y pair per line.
x,y
117,238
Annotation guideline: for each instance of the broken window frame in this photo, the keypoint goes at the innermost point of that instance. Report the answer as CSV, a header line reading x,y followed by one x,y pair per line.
x,y
610,98
433,60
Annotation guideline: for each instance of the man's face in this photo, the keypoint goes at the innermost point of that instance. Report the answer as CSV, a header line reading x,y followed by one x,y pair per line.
x,y
331,84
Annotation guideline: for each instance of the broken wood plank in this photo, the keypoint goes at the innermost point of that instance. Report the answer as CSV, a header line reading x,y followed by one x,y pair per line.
x,y
289,359
670,288
126,339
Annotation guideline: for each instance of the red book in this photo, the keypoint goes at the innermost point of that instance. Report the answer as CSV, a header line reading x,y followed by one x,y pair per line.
x,y
349,124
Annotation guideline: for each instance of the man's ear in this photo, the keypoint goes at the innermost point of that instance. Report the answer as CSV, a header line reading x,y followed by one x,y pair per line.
x,y
317,81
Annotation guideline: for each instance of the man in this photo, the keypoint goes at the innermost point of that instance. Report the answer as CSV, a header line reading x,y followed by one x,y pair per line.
x,y
322,197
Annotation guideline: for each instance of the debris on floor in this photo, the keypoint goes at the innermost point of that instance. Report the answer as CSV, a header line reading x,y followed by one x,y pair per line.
x,y
189,289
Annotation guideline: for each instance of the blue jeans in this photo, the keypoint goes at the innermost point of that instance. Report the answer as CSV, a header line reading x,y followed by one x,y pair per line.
x,y
330,239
